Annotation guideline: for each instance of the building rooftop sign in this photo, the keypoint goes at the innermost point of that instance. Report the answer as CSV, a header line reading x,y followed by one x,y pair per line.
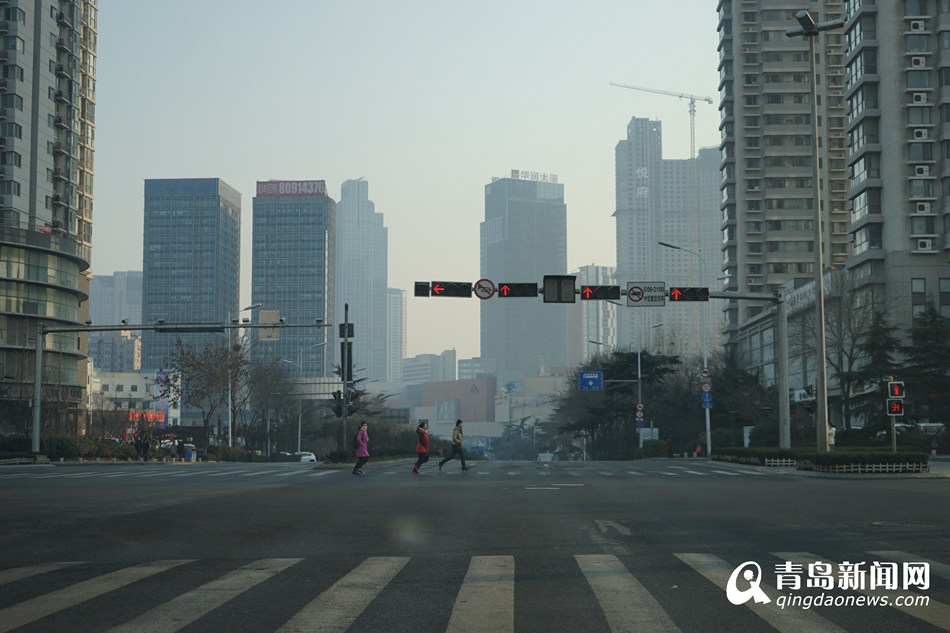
x,y
291,188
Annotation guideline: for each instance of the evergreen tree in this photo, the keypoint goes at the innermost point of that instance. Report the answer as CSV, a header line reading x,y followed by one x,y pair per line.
x,y
928,369
879,350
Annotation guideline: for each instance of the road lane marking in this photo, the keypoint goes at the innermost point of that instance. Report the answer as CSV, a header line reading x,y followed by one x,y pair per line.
x,y
626,604
603,525
19,573
726,472
605,473
633,472
717,571
334,610
228,472
293,472
188,607
42,606
486,600
663,472
936,568
541,488
934,613
324,473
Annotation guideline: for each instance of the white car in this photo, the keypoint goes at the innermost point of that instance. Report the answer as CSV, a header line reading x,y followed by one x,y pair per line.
x,y
307,458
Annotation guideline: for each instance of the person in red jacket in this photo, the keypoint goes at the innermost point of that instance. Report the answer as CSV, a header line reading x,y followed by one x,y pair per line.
x,y
422,446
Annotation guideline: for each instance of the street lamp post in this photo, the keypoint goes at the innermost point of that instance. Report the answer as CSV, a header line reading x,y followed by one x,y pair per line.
x,y
810,29
299,366
231,375
702,328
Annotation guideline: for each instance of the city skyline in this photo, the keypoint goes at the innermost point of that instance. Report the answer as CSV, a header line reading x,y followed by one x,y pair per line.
x,y
413,102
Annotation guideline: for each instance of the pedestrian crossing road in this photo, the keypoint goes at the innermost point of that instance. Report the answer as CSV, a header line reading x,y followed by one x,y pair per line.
x,y
491,593
285,473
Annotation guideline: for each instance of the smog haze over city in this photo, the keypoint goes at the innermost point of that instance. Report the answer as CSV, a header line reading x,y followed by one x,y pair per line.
x,y
426,100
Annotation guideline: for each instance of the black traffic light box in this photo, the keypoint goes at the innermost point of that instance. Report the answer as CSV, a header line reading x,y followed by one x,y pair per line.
x,y
895,406
508,289
422,289
559,288
451,289
600,293
689,294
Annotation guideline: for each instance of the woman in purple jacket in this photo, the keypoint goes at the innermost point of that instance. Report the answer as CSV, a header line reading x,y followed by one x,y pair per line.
x,y
362,451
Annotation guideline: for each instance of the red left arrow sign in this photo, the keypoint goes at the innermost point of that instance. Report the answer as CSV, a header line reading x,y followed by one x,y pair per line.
x,y
437,289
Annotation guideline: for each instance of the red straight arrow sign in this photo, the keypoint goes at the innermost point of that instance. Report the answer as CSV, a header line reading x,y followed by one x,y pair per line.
x,y
588,292
675,294
505,289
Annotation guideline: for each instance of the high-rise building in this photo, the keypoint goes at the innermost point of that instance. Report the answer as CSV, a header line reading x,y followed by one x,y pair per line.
x,y
523,238
768,148
361,277
190,263
899,202
293,271
46,165
597,329
116,298
396,334
673,201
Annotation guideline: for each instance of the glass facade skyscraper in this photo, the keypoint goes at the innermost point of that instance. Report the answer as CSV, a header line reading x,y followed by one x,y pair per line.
x,y
191,261
524,238
293,270
362,269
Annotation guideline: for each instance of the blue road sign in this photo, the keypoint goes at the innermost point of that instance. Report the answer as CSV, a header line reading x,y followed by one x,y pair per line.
x,y
707,400
591,380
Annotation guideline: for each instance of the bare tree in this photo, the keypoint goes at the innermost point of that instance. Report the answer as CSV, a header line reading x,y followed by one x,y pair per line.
x,y
198,379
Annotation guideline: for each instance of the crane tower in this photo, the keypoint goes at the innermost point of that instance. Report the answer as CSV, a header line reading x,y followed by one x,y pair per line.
x,y
680,95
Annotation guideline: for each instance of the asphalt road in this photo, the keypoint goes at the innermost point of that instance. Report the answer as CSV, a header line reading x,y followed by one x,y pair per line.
x,y
508,546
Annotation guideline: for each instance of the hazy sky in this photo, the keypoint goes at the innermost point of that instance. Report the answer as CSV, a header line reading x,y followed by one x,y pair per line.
x,y
427,100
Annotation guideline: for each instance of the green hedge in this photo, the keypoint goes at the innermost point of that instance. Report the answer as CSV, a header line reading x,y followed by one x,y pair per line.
x,y
655,448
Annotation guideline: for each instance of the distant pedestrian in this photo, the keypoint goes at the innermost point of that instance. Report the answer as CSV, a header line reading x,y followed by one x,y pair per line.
x,y
699,449
362,450
457,437
832,431
422,446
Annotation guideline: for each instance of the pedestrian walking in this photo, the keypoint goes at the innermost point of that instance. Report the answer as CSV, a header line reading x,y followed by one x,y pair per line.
x,y
362,449
422,446
457,437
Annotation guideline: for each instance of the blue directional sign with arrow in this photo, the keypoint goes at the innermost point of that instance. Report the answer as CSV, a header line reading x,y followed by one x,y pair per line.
x,y
707,400
591,380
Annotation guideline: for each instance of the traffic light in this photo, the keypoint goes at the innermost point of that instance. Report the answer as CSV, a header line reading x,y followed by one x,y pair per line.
x,y
689,294
508,289
422,289
600,293
895,406
451,289
559,288
338,403
895,390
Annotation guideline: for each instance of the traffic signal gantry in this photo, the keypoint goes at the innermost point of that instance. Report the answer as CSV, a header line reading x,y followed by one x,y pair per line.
x,y
563,289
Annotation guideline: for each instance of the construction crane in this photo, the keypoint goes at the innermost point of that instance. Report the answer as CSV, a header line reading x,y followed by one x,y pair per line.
x,y
692,109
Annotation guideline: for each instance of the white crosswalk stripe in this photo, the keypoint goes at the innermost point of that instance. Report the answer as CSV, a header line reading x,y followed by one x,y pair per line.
x,y
41,606
626,603
484,602
186,608
335,609
717,571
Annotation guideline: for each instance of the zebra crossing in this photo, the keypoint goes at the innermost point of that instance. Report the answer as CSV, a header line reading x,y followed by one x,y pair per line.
x,y
289,473
484,600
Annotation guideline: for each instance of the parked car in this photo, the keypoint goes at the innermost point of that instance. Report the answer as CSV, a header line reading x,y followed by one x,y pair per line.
x,y
307,458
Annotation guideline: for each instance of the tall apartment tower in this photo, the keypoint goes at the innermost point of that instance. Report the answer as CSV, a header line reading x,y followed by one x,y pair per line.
x,y
900,208
47,112
768,148
674,201
190,263
598,319
523,238
396,334
293,271
361,277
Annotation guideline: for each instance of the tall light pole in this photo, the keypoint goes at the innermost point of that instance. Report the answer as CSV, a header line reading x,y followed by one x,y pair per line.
x,y
810,29
231,374
299,366
702,328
